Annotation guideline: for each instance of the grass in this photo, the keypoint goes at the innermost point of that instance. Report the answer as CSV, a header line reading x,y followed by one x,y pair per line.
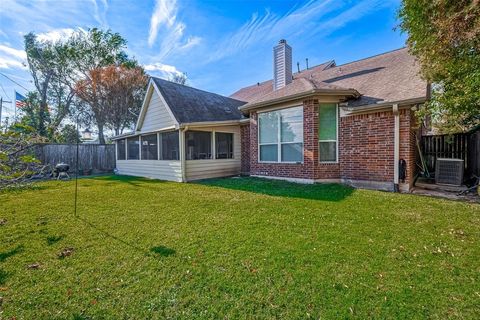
x,y
235,248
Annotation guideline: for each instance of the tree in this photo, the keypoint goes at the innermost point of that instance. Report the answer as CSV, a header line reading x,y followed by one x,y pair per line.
x,y
57,67
17,162
68,134
114,94
180,78
91,51
445,37
49,64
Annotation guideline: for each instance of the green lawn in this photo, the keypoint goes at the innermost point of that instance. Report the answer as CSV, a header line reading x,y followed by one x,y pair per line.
x,y
234,249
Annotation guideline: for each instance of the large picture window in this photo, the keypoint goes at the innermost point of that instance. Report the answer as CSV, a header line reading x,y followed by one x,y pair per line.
x,y
281,135
150,147
223,145
327,132
133,147
169,146
198,145
121,154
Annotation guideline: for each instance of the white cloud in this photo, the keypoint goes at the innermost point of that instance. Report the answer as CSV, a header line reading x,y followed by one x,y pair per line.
x,y
164,70
100,14
56,34
164,13
308,18
164,18
11,58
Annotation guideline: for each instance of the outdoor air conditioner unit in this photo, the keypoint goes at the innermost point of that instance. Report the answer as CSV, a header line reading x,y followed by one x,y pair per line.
x,y
449,171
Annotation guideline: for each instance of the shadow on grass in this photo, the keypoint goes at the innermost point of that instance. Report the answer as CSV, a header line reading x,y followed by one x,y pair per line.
x,y
3,276
7,254
279,188
153,252
135,181
162,251
53,239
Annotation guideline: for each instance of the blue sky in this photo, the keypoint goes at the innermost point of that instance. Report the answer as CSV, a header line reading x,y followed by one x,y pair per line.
x,y
221,45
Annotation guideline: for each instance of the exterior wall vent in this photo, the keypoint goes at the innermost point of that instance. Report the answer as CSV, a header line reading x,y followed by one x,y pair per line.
x,y
282,65
449,171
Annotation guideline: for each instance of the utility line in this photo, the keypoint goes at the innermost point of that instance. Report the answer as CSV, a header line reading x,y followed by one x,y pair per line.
x,y
18,84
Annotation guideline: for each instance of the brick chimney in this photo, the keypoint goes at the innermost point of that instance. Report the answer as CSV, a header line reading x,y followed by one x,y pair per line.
x,y
282,65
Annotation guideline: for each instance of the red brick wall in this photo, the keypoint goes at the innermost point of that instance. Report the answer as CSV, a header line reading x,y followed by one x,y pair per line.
x,y
310,168
245,145
366,146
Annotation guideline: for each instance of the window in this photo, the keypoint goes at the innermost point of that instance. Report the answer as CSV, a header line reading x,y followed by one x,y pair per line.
x,y
281,135
198,145
150,147
121,149
133,145
327,132
169,146
223,145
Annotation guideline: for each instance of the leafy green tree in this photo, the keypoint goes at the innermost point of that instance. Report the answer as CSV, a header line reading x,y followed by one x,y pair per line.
x,y
68,134
57,67
445,37
17,161
49,64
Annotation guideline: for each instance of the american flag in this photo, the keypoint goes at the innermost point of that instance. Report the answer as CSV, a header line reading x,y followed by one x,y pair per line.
x,y
19,100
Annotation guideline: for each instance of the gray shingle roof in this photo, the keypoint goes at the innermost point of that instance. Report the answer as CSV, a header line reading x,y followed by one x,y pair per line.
x,y
193,105
388,77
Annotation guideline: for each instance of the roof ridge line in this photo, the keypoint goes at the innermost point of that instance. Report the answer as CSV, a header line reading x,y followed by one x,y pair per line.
x,y
196,89
366,58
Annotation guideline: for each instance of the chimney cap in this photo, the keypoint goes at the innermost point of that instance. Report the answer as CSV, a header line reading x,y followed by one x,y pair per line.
x,y
282,41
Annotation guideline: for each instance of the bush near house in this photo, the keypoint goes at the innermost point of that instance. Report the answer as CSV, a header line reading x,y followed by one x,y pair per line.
x,y
235,248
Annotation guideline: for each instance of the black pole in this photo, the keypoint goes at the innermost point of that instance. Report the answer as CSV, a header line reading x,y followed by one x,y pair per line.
x,y
76,168
77,137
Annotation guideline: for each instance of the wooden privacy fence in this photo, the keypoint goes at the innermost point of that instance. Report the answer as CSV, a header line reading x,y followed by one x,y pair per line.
x,y
464,146
93,157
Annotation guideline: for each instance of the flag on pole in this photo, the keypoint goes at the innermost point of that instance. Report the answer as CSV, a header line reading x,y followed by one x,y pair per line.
x,y
19,100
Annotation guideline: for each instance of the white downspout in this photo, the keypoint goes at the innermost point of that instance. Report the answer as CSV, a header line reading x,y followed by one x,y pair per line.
x,y
182,153
396,147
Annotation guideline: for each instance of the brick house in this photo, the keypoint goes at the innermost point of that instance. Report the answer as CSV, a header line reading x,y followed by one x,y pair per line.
x,y
350,123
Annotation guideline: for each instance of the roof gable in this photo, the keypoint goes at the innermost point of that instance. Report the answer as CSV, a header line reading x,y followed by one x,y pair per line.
x,y
155,114
193,105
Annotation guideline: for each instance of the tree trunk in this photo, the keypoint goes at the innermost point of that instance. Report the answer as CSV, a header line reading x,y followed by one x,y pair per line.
x,y
101,137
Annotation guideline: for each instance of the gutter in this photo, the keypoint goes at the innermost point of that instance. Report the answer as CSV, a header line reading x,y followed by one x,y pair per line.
x,y
382,106
307,94
210,123
396,147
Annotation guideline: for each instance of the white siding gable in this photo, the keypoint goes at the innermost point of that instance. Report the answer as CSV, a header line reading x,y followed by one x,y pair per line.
x,y
157,115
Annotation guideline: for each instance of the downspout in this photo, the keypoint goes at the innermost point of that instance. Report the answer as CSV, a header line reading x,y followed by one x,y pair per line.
x,y
182,153
396,147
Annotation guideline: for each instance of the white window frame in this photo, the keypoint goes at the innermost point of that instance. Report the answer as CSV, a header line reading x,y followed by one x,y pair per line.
x,y
279,142
336,141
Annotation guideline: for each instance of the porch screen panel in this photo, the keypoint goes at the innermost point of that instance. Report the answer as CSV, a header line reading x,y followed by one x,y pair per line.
x,y
150,147
133,147
198,145
170,146
121,153
223,145
327,132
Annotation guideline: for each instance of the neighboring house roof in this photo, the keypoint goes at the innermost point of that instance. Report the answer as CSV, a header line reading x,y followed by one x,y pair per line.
x,y
388,77
193,105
